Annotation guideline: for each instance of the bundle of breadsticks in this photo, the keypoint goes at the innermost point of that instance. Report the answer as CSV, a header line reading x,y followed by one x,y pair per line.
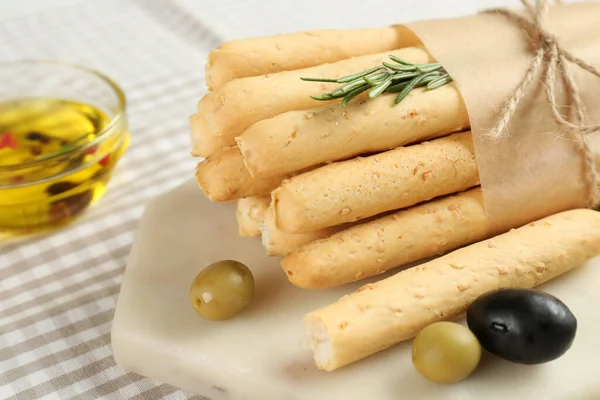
x,y
341,191
347,188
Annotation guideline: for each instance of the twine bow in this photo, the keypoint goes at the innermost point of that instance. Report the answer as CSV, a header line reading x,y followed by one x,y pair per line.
x,y
549,57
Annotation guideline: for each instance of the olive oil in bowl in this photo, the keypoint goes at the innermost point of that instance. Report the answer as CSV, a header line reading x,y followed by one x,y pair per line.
x,y
56,158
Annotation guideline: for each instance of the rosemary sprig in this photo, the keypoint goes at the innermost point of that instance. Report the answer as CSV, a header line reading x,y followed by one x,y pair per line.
x,y
399,76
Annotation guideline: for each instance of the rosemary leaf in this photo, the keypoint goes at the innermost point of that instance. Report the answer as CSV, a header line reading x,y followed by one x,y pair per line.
x,y
398,77
405,76
399,60
441,81
397,87
406,68
322,98
395,67
353,94
351,86
411,85
319,79
332,96
434,75
377,90
424,68
352,77
376,79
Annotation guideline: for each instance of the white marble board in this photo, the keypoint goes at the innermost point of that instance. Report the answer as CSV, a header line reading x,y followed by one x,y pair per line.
x,y
259,355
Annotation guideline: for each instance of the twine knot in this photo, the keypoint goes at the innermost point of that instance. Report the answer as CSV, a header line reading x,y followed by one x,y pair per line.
x,y
547,39
549,58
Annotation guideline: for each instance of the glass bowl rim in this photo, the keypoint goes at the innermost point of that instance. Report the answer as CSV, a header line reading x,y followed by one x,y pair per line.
x,y
120,114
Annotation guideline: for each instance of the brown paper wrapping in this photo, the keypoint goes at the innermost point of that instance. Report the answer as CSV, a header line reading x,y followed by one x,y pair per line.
x,y
538,170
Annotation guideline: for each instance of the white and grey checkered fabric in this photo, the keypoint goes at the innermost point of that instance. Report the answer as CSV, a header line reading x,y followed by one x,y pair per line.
x,y
58,292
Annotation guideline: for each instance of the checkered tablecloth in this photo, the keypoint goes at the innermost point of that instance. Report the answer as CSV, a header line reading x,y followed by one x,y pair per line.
x,y
58,292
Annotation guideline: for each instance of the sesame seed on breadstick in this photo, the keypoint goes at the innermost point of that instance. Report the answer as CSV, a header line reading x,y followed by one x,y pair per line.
x,y
300,139
235,106
376,246
280,243
266,55
223,177
352,190
395,309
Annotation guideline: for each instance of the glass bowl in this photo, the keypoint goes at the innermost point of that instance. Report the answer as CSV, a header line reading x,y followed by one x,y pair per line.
x,y
62,130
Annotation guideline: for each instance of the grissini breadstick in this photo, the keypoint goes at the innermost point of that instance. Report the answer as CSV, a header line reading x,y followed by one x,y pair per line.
x,y
280,243
374,247
249,214
202,140
348,191
231,109
299,139
380,315
224,177
267,55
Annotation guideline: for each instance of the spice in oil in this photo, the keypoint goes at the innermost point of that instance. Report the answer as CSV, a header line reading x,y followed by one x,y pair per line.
x,y
53,163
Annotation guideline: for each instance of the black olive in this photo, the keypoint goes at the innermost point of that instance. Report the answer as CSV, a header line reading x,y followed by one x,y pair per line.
x,y
60,187
522,325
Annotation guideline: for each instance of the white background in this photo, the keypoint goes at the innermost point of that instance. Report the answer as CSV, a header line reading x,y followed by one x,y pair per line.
x,y
243,18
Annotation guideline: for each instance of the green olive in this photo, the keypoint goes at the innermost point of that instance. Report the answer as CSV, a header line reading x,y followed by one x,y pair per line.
x,y
222,290
446,352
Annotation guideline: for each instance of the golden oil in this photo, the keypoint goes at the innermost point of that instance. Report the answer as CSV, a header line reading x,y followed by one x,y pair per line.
x,y
56,159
